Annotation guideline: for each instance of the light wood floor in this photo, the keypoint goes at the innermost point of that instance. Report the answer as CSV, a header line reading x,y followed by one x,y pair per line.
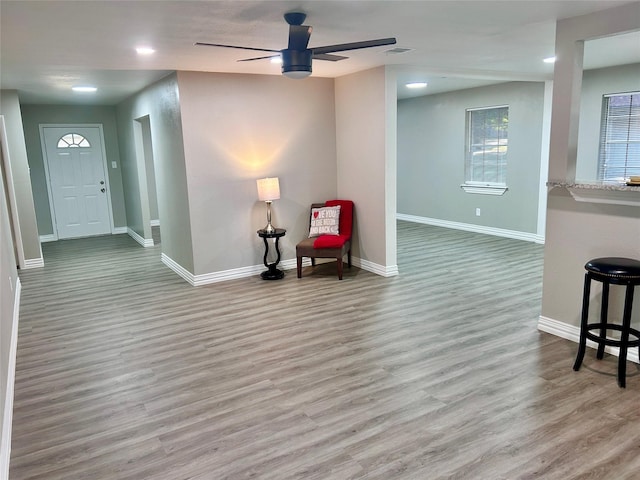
x,y
124,371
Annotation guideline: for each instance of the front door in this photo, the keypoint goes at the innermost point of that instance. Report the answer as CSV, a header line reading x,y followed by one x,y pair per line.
x,y
77,180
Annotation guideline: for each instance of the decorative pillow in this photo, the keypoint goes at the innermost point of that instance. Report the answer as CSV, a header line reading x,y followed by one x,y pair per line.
x,y
325,221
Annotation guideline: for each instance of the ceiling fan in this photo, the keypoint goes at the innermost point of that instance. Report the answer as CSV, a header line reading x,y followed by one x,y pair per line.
x,y
296,58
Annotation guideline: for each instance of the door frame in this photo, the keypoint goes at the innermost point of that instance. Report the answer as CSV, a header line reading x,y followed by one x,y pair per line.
x,y
45,159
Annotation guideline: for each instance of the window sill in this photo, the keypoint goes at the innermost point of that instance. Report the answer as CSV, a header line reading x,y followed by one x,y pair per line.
x,y
484,189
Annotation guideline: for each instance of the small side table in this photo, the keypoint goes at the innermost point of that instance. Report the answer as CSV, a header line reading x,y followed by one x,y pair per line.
x,y
273,273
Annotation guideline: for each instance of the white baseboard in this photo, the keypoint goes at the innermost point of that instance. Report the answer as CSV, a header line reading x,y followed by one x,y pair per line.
x,y
119,230
7,415
155,223
572,332
179,269
498,232
222,276
243,272
388,271
145,242
33,263
48,238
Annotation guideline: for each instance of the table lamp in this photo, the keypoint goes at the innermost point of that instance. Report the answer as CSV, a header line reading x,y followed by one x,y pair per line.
x,y
268,191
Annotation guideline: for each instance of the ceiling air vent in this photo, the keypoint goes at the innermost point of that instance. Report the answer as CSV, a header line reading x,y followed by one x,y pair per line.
x,y
397,50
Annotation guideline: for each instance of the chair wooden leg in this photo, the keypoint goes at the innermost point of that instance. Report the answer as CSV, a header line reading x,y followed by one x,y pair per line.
x,y
339,268
349,258
299,266
313,261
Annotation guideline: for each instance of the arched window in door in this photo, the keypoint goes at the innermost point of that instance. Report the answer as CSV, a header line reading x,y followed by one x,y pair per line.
x,y
73,140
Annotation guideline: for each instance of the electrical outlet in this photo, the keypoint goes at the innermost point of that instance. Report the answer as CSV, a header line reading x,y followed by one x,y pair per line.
x,y
477,212
114,165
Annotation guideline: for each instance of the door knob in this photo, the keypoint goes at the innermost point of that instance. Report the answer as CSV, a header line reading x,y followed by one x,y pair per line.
x,y
101,182
102,190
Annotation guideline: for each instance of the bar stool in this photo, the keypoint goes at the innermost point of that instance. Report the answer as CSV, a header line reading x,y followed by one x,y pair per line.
x,y
617,271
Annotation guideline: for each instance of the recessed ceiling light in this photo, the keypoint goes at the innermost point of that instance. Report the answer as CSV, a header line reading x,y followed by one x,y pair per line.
x,y
276,59
145,50
84,89
416,85
549,60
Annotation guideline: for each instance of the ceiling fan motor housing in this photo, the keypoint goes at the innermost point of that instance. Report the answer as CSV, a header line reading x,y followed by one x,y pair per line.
x,y
296,63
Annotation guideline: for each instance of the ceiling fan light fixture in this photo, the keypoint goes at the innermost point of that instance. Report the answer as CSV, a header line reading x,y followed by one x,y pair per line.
x,y
296,74
296,64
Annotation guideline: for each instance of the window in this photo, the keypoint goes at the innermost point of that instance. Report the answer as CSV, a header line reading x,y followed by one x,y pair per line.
x,y
73,140
486,150
619,137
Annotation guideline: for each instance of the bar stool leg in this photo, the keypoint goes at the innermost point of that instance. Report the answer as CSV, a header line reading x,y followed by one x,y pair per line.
x,y
583,322
624,338
603,319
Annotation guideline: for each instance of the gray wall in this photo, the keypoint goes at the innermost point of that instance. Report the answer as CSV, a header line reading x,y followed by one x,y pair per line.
x,y
595,84
8,308
366,152
160,102
33,116
238,128
431,157
10,108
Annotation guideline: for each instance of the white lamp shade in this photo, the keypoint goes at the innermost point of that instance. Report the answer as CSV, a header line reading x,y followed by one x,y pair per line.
x,y
268,189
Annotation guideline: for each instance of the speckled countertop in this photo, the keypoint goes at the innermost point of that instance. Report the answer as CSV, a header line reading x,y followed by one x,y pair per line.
x,y
618,187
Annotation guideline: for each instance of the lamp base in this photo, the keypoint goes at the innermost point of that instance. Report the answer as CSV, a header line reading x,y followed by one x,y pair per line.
x,y
269,228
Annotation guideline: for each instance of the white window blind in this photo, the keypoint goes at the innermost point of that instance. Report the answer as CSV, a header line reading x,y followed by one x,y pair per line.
x,y
487,145
620,137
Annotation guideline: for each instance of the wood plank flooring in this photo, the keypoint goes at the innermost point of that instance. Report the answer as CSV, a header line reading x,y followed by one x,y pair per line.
x,y
124,371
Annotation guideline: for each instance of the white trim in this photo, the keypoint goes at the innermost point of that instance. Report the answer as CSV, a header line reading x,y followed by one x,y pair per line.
x,y
609,95
155,223
120,230
7,415
572,333
50,237
484,189
498,232
145,242
242,272
179,269
33,263
250,271
16,233
544,157
384,271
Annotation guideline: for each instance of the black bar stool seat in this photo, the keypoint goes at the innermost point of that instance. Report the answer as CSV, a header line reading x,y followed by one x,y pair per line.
x,y
616,271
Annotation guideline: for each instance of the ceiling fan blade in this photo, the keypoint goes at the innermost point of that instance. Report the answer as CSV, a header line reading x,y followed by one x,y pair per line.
x,y
326,56
235,46
299,37
353,46
258,58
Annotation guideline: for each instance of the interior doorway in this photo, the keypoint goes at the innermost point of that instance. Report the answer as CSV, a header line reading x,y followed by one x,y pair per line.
x,y
144,152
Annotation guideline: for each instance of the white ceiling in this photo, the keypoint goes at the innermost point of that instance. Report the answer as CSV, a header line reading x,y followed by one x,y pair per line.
x,y
48,46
